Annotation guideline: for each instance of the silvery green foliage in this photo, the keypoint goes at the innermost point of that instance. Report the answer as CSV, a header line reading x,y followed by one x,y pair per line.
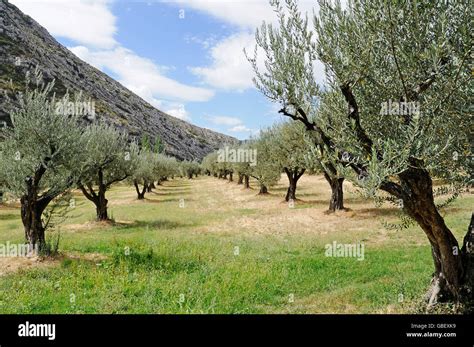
x,y
209,163
288,78
165,166
189,168
376,52
145,168
267,172
243,167
41,139
409,51
223,165
107,150
290,150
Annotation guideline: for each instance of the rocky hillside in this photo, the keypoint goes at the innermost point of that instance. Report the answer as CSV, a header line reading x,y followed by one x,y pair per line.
x,y
25,45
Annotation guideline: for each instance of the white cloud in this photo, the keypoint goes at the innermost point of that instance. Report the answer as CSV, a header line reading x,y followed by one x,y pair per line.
x,y
141,75
87,22
246,14
223,120
179,112
229,69
243,13
241,129
236,125
204,43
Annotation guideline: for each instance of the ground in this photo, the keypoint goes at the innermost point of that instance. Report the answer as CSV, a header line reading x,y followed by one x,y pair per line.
x,y
209,246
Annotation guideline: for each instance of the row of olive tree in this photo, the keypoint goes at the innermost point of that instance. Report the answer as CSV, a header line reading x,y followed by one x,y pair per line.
x,y
279,149
45,154
189,169
152,167
414,53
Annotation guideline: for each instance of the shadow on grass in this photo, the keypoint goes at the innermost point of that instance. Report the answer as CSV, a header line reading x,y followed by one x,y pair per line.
x,y
173,185
176,200
378,211
279,189
170,192
149,260
161,224
9,216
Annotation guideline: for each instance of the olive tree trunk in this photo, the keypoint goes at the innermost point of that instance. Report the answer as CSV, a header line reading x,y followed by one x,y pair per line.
x,y
31,212
293,177
337,195
98,198
263,189
32,208
246,181
140,193
453,277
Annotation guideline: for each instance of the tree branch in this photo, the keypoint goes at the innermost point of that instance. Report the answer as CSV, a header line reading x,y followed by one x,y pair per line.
x,y
354,115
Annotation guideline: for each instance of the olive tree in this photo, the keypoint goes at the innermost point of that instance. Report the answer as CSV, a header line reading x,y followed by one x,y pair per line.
x,y
108,159
144,172
266,171
189,169
42,156
402,70
165,167
290,151
243,167
396,112
209,164
288,79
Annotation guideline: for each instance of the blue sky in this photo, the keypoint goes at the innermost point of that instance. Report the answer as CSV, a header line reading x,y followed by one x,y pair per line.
x,y
186,58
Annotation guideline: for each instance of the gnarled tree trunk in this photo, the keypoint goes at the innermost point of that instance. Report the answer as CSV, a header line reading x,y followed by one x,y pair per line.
x,y
337,194
140,194
32,208
98,198
453,276
101,209
467,254
263,189
293,177
31,212
240,179
246,181
101,205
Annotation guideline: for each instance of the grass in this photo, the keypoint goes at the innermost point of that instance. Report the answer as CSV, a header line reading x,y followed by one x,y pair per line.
x,y
227,251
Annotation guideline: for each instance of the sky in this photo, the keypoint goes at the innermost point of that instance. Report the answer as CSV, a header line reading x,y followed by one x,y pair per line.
x,y
184,57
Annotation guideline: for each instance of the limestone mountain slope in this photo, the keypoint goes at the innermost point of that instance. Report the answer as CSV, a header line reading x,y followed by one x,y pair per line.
x,y
25,45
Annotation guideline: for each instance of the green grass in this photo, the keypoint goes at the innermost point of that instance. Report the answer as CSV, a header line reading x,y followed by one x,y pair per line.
x,y
214,280
159,258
